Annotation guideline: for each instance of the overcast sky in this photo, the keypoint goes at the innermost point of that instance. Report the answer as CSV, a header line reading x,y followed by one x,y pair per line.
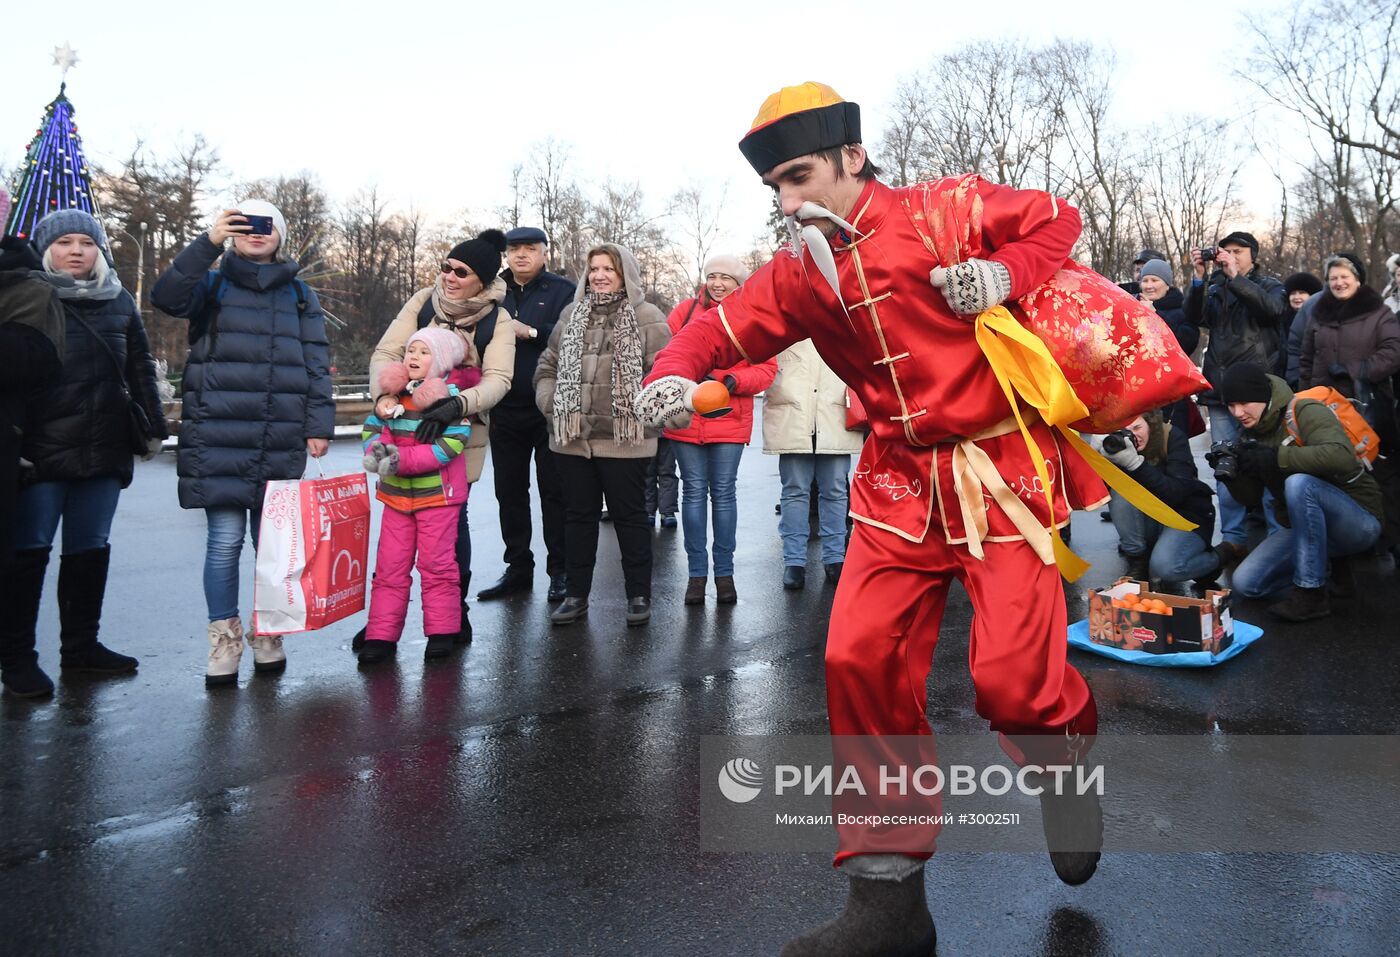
x,y
434,102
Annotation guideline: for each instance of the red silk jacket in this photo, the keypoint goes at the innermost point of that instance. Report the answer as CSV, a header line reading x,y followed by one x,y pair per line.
x,y
913,362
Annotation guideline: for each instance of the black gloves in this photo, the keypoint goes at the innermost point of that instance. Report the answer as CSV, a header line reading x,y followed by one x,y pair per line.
x,y
437,417
1260,461
729,381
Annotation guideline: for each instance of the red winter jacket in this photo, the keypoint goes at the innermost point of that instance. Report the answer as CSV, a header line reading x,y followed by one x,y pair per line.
x,y
737,426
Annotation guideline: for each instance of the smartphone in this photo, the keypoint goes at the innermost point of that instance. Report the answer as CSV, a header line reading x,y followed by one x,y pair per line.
x,y
262,225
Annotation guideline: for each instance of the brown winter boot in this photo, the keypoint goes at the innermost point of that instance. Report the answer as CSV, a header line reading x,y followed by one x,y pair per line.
x,y
724,590
881,919
1302,604
695,591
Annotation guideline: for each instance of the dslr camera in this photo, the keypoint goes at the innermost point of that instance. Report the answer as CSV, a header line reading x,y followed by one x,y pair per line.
x,y
1116,442
1224,458
1208,253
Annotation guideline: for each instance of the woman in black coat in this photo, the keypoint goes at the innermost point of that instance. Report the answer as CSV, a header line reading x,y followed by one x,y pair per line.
x,y
1155,283
80,446
256,401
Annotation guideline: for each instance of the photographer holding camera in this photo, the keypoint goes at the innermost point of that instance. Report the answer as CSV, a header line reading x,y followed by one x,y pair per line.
x,y
1158,456
1242,308
1321,489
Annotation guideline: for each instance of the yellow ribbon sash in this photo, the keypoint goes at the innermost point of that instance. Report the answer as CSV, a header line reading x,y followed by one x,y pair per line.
x,y
1024,367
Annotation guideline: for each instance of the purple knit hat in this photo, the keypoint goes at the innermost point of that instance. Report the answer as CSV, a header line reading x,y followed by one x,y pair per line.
x,y
447,348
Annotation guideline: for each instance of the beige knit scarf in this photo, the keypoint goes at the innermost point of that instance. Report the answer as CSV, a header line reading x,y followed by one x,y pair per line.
x,y
627,369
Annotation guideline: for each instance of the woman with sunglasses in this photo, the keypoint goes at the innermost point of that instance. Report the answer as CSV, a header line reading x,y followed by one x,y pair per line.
x,y
465,298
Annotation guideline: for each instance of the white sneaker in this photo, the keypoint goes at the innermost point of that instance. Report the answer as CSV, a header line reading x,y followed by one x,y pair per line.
x,y
268,655
225,650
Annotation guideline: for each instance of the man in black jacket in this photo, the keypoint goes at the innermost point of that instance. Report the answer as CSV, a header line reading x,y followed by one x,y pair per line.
x,y
1243,309
535,298
1159,457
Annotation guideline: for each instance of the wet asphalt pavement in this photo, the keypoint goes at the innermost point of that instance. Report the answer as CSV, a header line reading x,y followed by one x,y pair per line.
x,y
536,793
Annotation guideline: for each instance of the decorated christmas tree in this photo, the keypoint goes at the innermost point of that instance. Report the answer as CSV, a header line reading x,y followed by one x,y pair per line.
x,y
55,173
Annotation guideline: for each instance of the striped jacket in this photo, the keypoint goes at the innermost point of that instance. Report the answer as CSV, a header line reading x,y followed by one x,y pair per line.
x,y
429,476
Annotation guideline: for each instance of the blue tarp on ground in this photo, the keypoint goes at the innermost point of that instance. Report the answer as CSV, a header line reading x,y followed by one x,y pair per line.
x,y
1245,635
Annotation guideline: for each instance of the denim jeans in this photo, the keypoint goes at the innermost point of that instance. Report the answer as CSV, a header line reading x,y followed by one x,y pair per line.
x,y
85,505
1224,427
224,546
1176,556
708,476
1325,521
797,472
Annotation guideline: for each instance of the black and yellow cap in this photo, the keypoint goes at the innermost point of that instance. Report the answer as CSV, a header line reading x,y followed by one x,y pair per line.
x,y
796,121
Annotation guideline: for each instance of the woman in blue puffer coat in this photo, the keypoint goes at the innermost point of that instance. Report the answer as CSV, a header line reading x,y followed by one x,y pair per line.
x,y
256,400
77,451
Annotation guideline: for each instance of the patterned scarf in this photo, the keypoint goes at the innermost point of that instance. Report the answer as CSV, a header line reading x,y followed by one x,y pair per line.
x,y
626,370
462,315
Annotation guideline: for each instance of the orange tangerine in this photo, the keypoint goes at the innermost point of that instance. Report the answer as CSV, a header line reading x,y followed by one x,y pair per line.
x,y
709,396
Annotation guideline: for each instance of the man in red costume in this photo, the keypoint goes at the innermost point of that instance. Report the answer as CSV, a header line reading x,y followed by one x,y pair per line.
x,y
945,488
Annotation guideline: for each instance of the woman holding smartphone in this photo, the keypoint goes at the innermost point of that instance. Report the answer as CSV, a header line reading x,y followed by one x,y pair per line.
x,y
256,401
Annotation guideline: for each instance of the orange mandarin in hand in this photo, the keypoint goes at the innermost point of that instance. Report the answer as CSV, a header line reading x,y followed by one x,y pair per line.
x,y
709,397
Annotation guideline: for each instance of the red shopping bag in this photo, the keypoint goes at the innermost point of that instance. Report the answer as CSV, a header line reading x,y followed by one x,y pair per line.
x,y
313,547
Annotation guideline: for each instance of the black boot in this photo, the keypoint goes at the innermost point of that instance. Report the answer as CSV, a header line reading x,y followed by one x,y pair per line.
x,y
1137,567
376,651
82,584
464,634
1073,825
440,646
884,918
358,642
20,592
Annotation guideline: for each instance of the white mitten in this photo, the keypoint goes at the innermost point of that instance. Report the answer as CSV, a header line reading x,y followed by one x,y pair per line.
x,y
974,286
373,456
665,403
389,462
1127,458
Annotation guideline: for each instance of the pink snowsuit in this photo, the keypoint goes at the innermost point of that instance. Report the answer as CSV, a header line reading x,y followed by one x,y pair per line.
x,y
422,503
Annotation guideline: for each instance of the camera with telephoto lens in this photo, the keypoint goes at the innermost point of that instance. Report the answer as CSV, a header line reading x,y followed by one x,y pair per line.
x,y
1115,442
1208,253
1224,458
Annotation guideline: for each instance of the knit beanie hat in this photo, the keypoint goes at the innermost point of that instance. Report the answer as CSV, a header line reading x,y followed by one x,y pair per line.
x,y
796,121
1346,261
1241,238
728,265
482,255
1246,382
1159,268
447,348
1302,282
1392,262
261,207
1147,255
65,221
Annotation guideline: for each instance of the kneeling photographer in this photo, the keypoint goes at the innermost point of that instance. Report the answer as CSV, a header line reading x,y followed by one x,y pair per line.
x,y
1158,456
1321,490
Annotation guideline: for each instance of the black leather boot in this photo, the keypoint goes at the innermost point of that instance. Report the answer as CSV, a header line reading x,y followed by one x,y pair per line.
x,y
21,589
82,585
881,919
514,580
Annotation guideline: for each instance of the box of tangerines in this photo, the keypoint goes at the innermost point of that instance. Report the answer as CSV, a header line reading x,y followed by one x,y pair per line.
x,y
1127,615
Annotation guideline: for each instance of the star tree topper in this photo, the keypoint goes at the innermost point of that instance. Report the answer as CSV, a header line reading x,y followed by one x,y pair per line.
x,y
65,58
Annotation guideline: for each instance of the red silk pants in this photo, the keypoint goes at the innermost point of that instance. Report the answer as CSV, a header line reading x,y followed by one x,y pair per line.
x,y
884,627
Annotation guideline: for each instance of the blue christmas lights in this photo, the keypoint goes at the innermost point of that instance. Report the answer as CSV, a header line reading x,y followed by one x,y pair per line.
x,y
55,171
